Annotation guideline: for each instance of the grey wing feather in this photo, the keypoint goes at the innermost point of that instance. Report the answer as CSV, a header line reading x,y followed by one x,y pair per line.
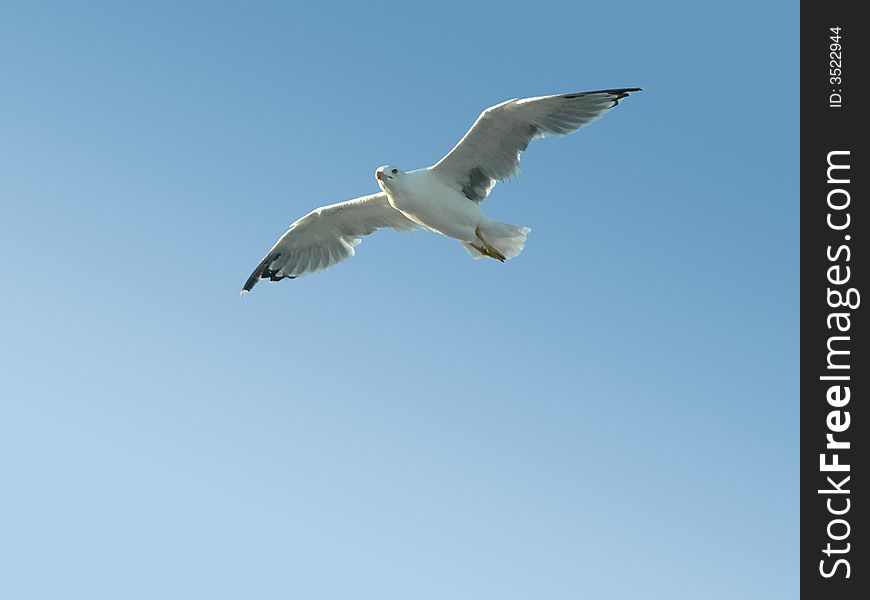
x,y
490,150
325,237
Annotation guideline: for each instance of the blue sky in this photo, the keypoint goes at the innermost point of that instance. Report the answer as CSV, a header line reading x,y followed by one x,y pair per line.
x,y
614,414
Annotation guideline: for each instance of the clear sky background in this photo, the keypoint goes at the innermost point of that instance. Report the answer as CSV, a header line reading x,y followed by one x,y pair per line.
x,y
614,414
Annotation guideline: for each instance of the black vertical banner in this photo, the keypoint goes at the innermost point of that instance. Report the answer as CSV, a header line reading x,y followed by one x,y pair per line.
x,y
835,371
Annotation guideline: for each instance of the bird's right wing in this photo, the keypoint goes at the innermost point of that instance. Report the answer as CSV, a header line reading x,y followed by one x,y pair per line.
x,y
490,150
327,236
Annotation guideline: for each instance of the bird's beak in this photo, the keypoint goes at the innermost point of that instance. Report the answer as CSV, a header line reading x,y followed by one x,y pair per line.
x,y
379,175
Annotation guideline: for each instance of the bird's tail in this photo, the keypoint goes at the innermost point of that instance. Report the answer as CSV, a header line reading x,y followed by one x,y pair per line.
x,y
507,240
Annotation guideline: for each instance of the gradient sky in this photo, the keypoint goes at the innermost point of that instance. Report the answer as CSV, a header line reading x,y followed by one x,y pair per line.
x,y
614,414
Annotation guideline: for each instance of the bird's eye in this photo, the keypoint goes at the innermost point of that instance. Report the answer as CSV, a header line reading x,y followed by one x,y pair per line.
x,y
395,171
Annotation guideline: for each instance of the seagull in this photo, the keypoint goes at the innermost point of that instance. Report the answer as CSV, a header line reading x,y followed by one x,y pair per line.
x,y
445,198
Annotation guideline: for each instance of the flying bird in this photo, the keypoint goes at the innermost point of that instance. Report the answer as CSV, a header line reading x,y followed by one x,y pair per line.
x,y
445,198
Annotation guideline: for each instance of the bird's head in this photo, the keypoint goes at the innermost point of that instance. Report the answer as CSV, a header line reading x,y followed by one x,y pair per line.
x,y
388,174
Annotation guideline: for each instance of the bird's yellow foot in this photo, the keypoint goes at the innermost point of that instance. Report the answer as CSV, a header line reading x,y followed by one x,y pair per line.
x,y
486,249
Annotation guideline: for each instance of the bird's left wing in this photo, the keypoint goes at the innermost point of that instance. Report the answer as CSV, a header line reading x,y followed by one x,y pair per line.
x,y
327,236
490,150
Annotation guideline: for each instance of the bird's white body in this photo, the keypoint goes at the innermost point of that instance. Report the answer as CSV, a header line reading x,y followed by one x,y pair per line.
x,y
427,200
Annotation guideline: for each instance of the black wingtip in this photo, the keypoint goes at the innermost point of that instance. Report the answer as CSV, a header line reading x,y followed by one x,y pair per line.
x,y
616,93
621,92
264,272
261,272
